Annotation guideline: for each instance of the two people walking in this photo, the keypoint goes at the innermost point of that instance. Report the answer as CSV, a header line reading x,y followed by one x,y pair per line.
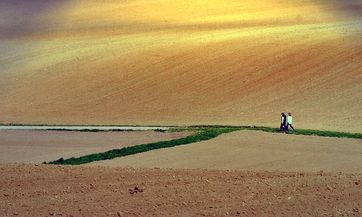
x,y
286,122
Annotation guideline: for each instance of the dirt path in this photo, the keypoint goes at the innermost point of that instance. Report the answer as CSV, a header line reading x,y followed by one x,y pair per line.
x,y
80,191
252,150
38,146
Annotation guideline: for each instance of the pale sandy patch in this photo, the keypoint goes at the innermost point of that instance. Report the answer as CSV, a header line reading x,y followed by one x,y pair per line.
x,y
38,146
253,150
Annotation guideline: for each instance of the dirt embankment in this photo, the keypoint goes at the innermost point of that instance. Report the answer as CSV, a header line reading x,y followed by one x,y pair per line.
x,y
83,191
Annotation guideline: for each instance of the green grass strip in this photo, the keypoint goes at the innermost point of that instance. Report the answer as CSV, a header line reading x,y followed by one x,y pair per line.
x,y
308,132
201,135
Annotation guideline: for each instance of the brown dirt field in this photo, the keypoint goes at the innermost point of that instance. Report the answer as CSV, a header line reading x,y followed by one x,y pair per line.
x,y
33,146
183,62
29,190
252,150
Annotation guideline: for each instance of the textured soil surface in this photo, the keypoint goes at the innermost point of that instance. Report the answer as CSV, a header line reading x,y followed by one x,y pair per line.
x,y
30,190
253,150
39,146
175,62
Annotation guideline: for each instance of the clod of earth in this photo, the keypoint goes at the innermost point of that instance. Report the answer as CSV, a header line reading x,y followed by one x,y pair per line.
x,y
135,190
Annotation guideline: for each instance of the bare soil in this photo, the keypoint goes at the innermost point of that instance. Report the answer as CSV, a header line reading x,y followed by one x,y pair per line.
x,y
33,146
174,62
28,190
253,150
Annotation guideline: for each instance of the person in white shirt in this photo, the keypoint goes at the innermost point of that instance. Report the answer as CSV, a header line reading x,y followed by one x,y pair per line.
x,y
290,121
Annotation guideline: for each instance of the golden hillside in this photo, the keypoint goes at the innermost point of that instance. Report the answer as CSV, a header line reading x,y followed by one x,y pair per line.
x,y
182,62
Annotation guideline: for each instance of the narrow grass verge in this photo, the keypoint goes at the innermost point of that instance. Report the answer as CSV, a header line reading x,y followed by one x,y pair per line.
x,y
89,130
308,132
201,135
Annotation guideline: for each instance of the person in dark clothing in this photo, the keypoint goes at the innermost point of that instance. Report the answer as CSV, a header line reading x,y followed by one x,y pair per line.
x,y
283,122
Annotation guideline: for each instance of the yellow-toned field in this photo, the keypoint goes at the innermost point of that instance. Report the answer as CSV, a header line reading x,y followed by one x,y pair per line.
x,y
182,62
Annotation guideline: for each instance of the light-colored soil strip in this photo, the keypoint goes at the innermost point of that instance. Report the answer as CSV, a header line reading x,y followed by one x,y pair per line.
x,y
90,128
36,146
204,134
255,150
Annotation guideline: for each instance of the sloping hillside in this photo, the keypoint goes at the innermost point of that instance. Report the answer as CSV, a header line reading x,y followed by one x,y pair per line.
x,y
182,62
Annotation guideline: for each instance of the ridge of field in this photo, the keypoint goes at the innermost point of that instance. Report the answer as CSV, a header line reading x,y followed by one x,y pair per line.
x,y
254,150
174,62
48,190
33,146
